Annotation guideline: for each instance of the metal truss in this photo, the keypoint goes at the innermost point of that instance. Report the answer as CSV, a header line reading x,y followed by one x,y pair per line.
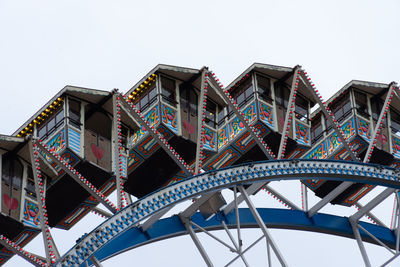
x,y
139,118
148,211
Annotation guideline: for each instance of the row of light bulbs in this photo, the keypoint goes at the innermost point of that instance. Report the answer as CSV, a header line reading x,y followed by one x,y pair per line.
x,y
141,88
40,118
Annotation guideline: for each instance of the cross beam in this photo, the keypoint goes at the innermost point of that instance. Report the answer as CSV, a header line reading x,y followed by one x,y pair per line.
x,y
158,137
329,115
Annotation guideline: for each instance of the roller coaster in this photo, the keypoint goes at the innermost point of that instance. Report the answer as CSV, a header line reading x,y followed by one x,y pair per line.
x,y
180,136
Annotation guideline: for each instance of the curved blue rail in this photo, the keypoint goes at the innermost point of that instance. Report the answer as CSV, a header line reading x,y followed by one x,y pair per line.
x,y
273,218
269,171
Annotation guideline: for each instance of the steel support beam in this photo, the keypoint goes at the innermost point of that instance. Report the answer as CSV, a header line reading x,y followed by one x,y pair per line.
x,y
154,218
30,257
378,125
200,120
116,146
264,229
41,201
360,243
240,115
244,251
289,112
77,177
372,216
329,197
189,211
95,261
158,137
282,198
372,204
102,212
334,123
213,236
196,241
304,196
234,243
253,188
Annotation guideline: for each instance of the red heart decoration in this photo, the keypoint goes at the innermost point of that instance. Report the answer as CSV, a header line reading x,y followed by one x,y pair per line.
x,y
189,127
11,203
97,151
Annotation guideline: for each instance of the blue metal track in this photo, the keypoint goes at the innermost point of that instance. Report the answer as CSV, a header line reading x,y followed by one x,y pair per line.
x,y
125,220
273,218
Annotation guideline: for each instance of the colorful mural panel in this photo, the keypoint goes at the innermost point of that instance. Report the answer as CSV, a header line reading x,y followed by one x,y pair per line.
x,y
67,156
153,118
226,158
235,127
134,160
147,147
74,140
170,118
250,113
244,143
31,214
266,115
75,216
56,144
319,152
209,139
363,129
396,146
302,133
333,141
223,137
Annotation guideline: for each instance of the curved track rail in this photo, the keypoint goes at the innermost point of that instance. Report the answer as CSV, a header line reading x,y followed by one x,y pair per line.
x,y
105,240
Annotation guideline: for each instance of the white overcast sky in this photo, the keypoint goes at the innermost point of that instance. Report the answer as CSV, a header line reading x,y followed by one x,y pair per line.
x,y
45,45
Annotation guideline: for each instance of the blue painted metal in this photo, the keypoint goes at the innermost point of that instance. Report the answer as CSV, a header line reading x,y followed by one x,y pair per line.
x,y
274,218
197,185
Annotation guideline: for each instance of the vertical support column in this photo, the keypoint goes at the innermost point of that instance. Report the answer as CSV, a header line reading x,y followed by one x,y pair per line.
x,y
240,115
329,115
40,194
116,149
196,241
264,229
360,243
379,123
289,112
304,197
95,261
201,119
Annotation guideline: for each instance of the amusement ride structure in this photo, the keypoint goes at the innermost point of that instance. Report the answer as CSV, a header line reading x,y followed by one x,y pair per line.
x,y
179,136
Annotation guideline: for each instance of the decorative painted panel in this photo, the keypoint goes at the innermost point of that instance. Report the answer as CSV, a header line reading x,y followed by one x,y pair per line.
x,y
244,143
262,129
396,146
302,133
266,115
358,144
67,156
209,139
250,113
74,140
363,129
134,160
75,216
57,143
170,118
357,195
223,137
226,158
313,183
333,141
235,127
147,147
153,118
31,214
319,152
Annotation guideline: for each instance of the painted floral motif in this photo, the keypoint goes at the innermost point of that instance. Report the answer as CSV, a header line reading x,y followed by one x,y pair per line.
x,y
31,214
302,133
153,118
209,139
266,115
169,118
318,153
56,144
363,129
223,137
396,146
235,127
334,142
250,113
